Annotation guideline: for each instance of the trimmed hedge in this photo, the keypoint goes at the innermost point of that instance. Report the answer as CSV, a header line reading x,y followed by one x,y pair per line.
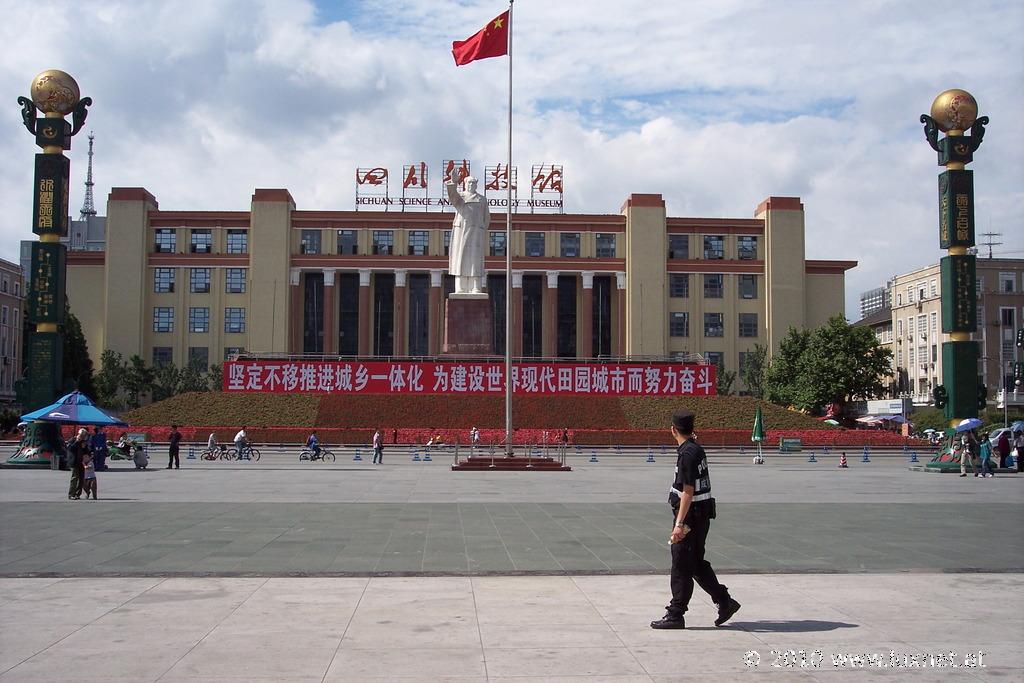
x,y
215,408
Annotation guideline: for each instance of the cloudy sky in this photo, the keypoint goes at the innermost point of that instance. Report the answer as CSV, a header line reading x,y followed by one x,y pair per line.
x,y
715,104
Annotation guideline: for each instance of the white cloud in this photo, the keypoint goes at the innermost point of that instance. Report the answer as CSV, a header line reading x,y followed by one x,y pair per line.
x,y
714,104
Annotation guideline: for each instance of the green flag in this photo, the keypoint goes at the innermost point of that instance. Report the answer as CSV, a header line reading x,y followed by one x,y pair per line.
x,y
758,434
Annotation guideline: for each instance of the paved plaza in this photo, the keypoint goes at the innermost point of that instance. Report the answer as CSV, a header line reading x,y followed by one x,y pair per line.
x,y
288,571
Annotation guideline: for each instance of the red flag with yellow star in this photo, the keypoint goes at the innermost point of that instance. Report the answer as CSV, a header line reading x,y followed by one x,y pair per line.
x,y
490,41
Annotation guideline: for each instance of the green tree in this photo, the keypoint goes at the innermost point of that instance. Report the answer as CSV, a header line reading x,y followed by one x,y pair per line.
x,y
752,374
77,364
138,379
216,377
166,381
832,364
110,380
193,378
725,380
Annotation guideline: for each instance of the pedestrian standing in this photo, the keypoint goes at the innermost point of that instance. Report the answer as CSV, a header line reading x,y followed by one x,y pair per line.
x,y
394,436
1018,442
985,455
77,448
1003,446
693,508
172,450
89,476
378,448
968,445
99,448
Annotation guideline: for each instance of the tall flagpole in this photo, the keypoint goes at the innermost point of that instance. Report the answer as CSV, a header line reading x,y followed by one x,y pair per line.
x,y
508,255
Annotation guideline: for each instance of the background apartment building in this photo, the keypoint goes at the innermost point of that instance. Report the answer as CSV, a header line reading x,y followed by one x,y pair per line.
x,y
201,285
12,309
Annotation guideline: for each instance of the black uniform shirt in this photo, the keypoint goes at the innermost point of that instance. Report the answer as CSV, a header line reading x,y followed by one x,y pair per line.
x,y
691,470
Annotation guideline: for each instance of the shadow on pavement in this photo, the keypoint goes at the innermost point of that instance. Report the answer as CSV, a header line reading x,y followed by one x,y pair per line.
x,y
798,626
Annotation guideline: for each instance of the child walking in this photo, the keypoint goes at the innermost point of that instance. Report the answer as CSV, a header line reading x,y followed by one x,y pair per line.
x,y
89,485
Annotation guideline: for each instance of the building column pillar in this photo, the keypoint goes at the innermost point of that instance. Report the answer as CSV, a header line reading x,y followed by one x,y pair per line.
x,y
434,314
330,306
620,313
517,315
294,311
585,319
364,312
401,318
549,321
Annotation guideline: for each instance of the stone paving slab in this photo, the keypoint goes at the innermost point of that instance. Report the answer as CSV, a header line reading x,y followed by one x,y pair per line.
x,y
526,628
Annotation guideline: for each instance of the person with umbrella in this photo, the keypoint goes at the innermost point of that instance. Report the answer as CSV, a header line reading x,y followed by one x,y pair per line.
x,y
968,444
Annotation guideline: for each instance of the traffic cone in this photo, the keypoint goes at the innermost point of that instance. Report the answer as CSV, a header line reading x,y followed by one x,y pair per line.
x,y
427,458
650,455
913,456
865,458
416,456
812,458
743,450
593,456
618,449
191,453
358,456
842,461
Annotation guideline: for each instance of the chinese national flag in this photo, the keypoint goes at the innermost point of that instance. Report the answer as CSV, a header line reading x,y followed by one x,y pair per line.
x,y
490,41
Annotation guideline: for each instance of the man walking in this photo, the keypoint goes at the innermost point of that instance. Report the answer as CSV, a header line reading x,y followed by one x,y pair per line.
x,y
172,450
98,442
378,448
693,509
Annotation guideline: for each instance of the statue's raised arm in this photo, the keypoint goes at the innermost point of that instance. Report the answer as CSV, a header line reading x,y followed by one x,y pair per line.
x,y
452,188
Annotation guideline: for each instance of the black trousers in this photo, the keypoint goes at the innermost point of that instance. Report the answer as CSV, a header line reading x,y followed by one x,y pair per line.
x,y
689,565
172,458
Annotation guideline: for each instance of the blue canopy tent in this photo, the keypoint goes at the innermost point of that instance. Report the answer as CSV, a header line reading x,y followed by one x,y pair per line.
x,y
76,409
42,444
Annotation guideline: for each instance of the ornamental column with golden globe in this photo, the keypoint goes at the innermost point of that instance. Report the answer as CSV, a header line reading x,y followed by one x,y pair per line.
x,y
953,112
55,94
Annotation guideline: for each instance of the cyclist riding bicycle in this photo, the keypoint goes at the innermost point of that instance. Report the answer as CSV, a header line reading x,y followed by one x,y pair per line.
x,y
313,444
241,440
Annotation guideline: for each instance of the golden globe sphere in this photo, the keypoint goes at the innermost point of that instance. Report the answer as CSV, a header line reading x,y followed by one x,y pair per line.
x,y
55,92
954,110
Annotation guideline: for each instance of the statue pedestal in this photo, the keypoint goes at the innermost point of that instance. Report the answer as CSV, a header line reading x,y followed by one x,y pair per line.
x,y
468,327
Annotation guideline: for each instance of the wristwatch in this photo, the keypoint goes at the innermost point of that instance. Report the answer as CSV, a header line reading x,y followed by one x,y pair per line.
x,y
680,525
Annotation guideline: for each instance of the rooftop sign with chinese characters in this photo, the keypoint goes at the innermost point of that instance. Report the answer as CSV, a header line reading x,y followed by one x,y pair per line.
x,y
446,377
373,189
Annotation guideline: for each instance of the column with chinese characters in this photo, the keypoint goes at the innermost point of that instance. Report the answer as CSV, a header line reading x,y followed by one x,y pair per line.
x,y
620,313
401,338
549,326
364,312
434,312
586,317
295,311
330,313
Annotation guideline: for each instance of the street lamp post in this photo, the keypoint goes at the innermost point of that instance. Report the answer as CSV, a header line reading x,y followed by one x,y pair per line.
x,y
55,94
953,112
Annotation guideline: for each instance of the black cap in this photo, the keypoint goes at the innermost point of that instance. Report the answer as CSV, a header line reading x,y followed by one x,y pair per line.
x,y
682,420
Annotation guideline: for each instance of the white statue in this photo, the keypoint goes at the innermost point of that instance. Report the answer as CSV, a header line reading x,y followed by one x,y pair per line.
x,y
469,234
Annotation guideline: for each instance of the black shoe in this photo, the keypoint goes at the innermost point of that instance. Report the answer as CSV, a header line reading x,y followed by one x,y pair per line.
x,y
669,621
726,611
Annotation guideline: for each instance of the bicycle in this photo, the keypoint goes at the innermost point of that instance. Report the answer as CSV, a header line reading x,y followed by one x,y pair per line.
x,y
211,453
244,453
308,455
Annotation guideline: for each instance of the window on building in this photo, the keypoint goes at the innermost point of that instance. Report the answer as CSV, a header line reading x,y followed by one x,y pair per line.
x,y
234,319
202,241
447,241
935,324
418,242
348,242
3,285
899,299
497,244
310,242
934,290
234,280
714,325
714,285
17,288
166,241
679,246
199,280
747,286
935,353
199,356
1008,318
716,358
1007,283
910,294
899,358
569,244
899,328
199,319
163,280
534,244
605,245
910,326
746,247
162,355
383,242
979,286
679,285
679,324
922,326
714,247
910,358
748,324
230,351
3,315
238,241
163,319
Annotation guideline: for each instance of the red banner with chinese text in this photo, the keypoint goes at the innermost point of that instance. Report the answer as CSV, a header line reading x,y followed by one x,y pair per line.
x,y
453,377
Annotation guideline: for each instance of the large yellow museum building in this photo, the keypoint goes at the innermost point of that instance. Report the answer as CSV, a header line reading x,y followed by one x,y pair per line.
x,y
201,285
